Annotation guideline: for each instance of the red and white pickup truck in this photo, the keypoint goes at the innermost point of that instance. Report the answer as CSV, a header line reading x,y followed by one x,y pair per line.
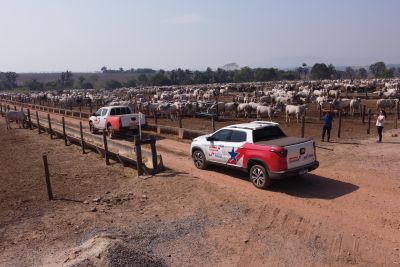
x,y
115,119
260,148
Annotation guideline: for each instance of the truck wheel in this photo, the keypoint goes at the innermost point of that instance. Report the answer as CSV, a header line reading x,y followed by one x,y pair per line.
x,y
199,159
259,176
91,128
110,132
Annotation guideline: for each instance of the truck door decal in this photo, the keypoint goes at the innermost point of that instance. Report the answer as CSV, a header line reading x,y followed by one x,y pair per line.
x,y
235,156
215,151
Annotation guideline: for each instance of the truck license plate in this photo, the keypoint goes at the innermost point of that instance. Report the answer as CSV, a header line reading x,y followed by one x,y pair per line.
x,y
303,172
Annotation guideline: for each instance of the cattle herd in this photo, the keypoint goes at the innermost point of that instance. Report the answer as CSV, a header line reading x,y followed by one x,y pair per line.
x,y
257,99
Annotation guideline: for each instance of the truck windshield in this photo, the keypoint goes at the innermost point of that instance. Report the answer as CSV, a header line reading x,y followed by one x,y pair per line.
x,y
267,133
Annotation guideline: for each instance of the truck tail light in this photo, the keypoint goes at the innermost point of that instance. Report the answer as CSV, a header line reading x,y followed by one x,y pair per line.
x,y
280,151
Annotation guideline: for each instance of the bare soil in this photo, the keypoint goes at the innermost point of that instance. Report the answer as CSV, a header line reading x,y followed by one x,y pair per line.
x,y
347,212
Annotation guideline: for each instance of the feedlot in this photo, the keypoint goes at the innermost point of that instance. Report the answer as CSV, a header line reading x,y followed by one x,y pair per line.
x,y
347,212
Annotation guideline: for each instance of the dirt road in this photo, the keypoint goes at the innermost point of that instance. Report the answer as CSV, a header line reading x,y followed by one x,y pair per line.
x,y
347,212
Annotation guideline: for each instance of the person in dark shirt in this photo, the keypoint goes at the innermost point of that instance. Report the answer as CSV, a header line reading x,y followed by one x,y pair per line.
x,y
327,118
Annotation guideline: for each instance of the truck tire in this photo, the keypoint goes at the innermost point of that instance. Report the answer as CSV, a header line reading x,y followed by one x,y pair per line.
x,y
259,176
91,128
110,132
199,159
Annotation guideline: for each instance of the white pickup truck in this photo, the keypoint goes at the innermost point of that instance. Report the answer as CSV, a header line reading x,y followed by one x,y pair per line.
x,y
259,148
115,119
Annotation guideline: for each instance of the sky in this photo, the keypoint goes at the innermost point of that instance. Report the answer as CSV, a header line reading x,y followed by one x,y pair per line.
x,y
85,35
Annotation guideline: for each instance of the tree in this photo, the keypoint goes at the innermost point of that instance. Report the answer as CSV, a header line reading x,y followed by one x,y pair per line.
x,y
161,79
131,83
378,69
87,85
264,74
389,73
112,84
104,69
143,80
81,79
332,72
362,73
65,79
320,71
33,85
349,73
244,75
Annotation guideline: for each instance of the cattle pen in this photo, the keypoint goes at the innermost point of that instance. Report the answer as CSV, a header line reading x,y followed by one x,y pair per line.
x,y
146,162
348,128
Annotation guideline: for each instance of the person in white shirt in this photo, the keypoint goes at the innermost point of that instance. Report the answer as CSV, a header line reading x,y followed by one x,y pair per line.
x,y
380,121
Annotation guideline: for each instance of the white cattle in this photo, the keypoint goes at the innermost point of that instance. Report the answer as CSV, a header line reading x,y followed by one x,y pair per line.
x,y
355,104
245,108
299,111
263,111
386,104
17,116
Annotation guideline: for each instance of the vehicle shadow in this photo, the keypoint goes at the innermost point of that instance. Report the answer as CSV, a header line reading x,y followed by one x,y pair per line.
x,y
313,186
307,186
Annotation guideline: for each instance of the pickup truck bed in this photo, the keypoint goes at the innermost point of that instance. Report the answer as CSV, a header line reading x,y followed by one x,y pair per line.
x,y
284,141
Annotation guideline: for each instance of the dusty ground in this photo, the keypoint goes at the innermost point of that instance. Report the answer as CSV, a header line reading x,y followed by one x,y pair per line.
x,y
347,212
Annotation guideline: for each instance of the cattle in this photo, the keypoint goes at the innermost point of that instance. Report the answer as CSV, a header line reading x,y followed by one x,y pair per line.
x,y
342,105
355,104
17,116
231,107
244,108
298,110
386,104
263,111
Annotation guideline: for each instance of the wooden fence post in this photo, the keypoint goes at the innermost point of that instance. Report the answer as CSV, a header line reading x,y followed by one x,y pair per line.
x,y
363,113
106,156
153,153
37,121
50,129
302,126
29,119
212,123
340,124
64,133
138,150
47,177
180,118
82,141
15,108
396,115
369,121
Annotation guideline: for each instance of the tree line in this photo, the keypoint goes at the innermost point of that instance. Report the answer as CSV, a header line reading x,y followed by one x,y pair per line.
x,y
150,77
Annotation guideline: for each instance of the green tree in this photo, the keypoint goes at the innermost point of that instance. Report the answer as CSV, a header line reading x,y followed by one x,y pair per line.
x,y
65,79
103,69
161,79
264,74
244,75
349,73
143,80
378,69
389,73
87,85
131,83
362,73
320,71
112,84
33,85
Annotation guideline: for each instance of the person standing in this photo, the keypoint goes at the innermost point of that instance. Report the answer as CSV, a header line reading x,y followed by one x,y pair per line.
x,y
327,127
380,121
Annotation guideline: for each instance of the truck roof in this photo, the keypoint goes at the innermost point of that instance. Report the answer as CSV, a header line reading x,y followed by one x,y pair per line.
x,y
254,125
